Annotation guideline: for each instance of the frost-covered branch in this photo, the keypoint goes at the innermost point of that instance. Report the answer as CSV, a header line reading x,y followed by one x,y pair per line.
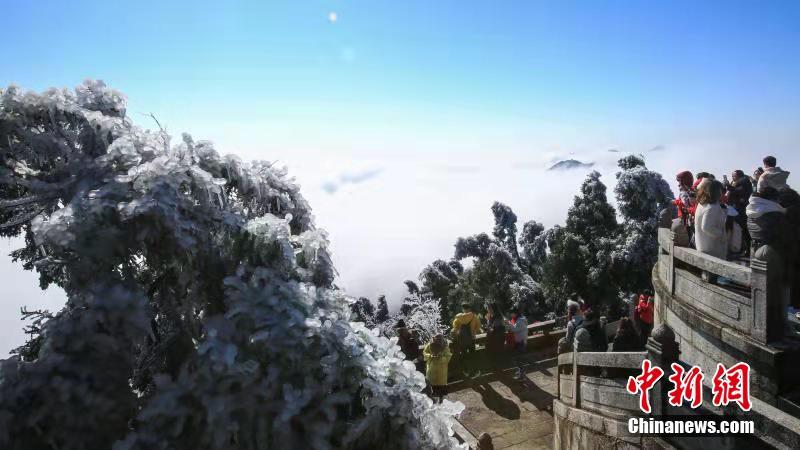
x,y
201,307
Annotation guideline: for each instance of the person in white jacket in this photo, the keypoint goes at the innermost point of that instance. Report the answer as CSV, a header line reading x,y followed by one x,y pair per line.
x,y
772,176
709,221
518,325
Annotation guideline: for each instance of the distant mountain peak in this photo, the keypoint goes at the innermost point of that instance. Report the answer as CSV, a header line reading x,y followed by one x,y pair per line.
x,y
569,164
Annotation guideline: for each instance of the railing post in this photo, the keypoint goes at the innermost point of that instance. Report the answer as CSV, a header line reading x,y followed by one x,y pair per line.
x,y
671,264
662,351
576,377
558,379
758,295
767,294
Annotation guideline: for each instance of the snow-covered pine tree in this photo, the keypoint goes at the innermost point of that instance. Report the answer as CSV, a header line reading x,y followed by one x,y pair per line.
x,y
579,261
438,280
498,273
382,312
422,315
363,311
200,308
534,248
641,195
505,227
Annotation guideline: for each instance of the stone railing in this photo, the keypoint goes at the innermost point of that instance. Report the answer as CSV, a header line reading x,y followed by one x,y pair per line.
x,y
542,342
580,385
592,406
534,330
742,305
592,410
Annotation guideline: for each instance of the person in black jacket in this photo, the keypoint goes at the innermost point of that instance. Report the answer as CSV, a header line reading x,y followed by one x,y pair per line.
x,y
407,342
626,339
739,190
591,336
495,336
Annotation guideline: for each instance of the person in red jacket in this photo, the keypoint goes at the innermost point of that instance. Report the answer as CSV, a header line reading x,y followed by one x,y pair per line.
x,y
644,315
685,201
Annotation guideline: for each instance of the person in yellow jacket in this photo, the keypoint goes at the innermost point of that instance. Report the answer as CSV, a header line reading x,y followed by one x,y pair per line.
x,y
466,326
466,317
437,357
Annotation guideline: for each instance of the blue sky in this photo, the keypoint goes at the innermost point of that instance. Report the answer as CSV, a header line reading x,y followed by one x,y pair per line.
x,y
403,121
682,64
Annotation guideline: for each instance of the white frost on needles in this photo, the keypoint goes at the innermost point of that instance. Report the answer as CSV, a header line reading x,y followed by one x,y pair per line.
x,y
201,308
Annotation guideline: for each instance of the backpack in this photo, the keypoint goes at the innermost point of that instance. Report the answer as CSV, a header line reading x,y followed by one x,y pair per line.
x,y
465,338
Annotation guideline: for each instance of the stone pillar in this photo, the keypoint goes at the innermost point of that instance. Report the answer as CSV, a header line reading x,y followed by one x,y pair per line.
x,y
676,238
767,294
662,351
576,378
665,218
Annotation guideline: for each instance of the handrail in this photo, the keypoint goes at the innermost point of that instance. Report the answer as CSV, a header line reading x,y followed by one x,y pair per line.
x,y
737,309
534,328
738,273
539,327
618,360
580,360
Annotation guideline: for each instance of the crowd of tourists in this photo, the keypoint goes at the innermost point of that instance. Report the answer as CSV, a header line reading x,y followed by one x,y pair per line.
x,y
586,330
729,219
733,218
505,337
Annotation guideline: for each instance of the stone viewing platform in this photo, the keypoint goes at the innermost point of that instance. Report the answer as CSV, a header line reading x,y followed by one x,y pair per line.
x,y
740,321
578,400
698,323
517,414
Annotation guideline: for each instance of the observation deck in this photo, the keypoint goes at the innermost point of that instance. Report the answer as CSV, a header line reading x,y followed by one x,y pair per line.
x,y
697,323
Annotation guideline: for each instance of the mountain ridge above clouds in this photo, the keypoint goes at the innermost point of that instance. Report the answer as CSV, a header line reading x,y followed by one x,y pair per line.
x,y
569,164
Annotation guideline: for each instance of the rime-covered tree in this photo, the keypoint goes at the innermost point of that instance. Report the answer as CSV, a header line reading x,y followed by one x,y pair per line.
x,y
498,273
532,240
591,216
382,312
439,279
423,316
363,311
641,195
201,311
579,259
505,227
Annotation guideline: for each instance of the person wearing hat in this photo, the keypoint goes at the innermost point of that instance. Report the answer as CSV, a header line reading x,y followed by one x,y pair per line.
x,y
685,200
437,358
405,339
